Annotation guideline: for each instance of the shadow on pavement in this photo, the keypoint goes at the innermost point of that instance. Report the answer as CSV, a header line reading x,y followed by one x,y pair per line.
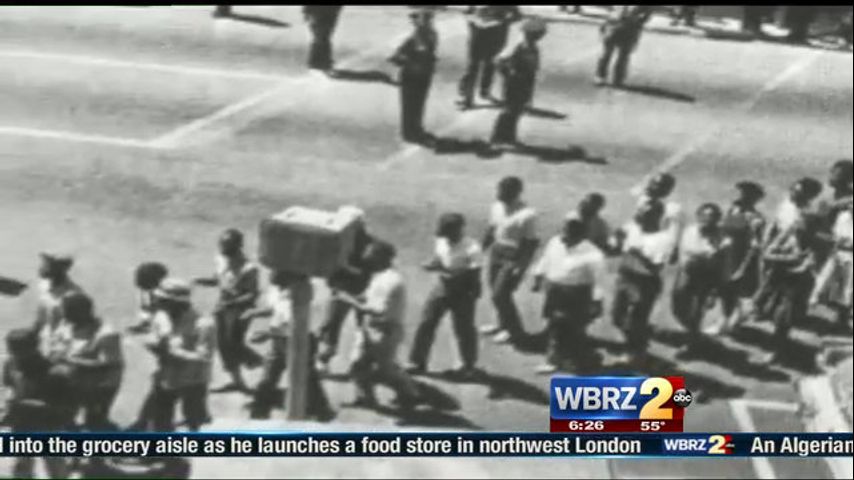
x,y
658,92
548,154
544,113
716,353
704,388
367,76
258,20
500,387
799,356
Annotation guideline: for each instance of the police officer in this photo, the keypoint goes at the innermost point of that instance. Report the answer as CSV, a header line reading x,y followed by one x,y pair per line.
x,y
321,21
488,29
620,33
519,65
416,57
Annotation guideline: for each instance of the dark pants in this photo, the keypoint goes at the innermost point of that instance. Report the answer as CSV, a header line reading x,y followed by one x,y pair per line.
x,y
518,93
567,311
690,294
413,99
193,400
330,330
503,284
787,302
634,299
621,41
231,340
267,394
27,419
96,404
484,45
462,308
322,25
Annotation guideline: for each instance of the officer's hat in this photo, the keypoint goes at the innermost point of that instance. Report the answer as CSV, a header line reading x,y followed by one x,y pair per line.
x,y
534,26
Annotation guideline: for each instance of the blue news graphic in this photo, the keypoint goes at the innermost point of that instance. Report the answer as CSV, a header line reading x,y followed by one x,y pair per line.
x,y
618,398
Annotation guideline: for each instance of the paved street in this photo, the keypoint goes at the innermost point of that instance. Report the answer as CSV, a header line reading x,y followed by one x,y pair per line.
x,y
130,134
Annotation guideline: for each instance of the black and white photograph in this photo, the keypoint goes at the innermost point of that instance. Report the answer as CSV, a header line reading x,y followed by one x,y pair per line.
x,y
415,218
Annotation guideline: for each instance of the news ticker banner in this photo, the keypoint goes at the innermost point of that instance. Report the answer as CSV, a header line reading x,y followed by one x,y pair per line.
x,y
618,404
527,445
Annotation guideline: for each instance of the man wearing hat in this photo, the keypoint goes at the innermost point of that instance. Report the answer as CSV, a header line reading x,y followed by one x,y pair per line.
x,y
351,280
54,286
416,57
185,342
620,34
321,20
743,224
519,66
488,29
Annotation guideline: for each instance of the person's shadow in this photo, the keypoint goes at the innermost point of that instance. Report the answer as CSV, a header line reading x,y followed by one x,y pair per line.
x,y
500,387
657,92
542,153
367,76
799,356
257,20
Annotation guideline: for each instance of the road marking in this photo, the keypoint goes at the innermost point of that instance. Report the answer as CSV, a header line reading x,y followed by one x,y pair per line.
x,y
140,66
73,137
465,118
772,405
761,465
675,159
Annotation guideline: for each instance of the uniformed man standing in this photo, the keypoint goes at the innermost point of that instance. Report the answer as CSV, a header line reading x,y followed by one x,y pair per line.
x,y
321,20
519,65
620,34
489,26
416,58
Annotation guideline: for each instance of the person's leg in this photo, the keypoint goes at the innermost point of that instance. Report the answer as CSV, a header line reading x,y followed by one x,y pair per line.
x,y
97,404
553,342
247,355
435,308
420,94
56,467
621,65
23,467
502,297
408,122
163,414
642,311
266,391
318,401
493,44
388,372
604,62
330,331
362,374
229,347
473,63
463,315
194,406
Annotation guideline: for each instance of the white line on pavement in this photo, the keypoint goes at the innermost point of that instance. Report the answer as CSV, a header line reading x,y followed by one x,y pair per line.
x,y
73,137
741,411
140,66
772,405
466,118
690,147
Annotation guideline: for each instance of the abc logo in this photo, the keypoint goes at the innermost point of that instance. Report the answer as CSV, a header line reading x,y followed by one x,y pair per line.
x,y
682,398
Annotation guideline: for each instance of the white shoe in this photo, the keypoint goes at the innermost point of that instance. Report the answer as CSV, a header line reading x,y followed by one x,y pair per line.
x,y
490,329
599,82
546,368
502,336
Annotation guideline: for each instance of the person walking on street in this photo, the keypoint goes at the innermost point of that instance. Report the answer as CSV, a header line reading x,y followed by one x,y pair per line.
x,y
185,343
95,360
381,333
511,240
416,57
489,26
703,253
55,284
620,34
570,270
237,279
351,279
321,20
646,249
518,66
744,228
458,261
283,286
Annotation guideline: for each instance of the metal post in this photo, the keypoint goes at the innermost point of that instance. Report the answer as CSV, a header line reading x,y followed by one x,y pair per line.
x,y
299,349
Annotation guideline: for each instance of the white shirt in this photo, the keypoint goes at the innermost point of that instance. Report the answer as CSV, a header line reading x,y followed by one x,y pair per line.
x,y
386,295
695,245
464,255
279,300
787,215
581,264
657,247
842,230
513,224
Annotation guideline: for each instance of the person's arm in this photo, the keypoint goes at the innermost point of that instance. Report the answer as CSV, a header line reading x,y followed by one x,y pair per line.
x,y
109,354
539,270
254,313
528,246
203,351
247,289
434,265
402,55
